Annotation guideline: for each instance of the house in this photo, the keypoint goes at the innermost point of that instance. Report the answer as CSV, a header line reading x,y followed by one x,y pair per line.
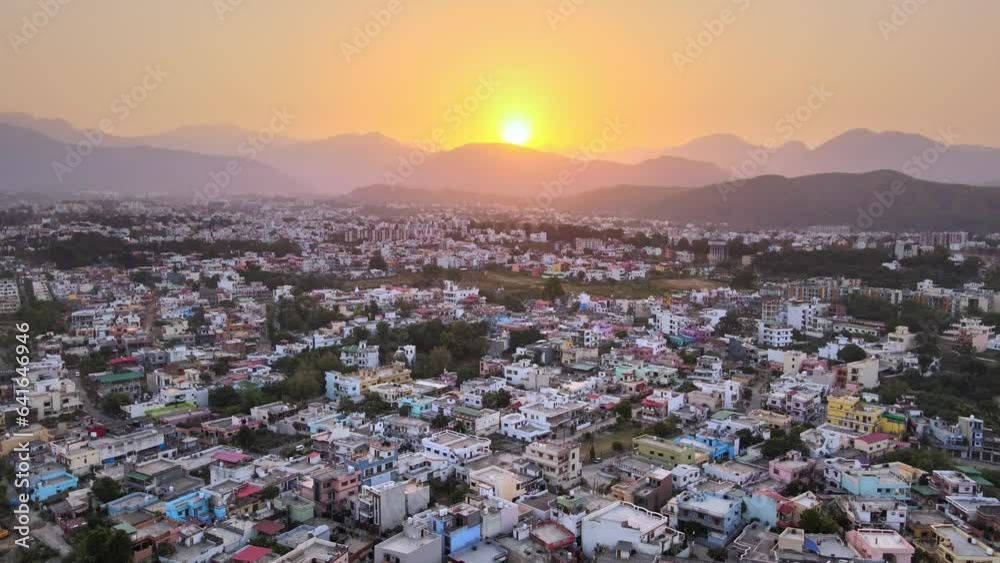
x,y
718,513
876,444
667,451
790,467
361,356
560,463
456,447
415,544
952,544
880,545
51,483
645,531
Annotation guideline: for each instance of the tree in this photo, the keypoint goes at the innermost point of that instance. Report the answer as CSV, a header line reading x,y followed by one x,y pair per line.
x,y
305,384
817,521
221,397
244,438
106,489
617,446
496,399
744,279
851,353
270,492
102,544
729,324
112,404
405,410
377,262
623,411
553,289
439,421
346,405
665,428
440,360
718,553
373,405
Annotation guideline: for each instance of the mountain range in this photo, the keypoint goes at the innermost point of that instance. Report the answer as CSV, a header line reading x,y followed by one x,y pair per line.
x,y
186,159
880,200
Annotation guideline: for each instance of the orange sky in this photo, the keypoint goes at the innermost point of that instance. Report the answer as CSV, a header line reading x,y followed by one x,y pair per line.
x,y
565,75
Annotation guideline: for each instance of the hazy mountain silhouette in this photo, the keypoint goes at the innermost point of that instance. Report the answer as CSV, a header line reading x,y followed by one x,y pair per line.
x,y
338,164
32,162
822,199
857,150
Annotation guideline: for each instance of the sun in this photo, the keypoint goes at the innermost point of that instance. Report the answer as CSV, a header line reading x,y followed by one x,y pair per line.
x,y
517,132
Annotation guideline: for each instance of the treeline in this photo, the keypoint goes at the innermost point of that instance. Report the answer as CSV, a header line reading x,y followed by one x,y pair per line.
x,y
867,265
964,386
88,249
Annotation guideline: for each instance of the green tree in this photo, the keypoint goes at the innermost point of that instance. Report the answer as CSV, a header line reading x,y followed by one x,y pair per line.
x,y
553,289
744,279
373,405
112,404
440,360
623,411
496,399
222,397
851,353
244,438
305,384
346,405
439,421
102,544
817,521
106,489
377,262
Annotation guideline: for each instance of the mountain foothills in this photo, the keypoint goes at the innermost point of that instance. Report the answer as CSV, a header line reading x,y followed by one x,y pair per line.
x,y
947,184
875,200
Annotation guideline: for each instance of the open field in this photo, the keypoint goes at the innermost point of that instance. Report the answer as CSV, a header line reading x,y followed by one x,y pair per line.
x,y
605,438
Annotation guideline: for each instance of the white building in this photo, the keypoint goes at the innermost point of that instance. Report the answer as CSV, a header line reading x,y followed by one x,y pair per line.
x,y
455,446
774,335
647,531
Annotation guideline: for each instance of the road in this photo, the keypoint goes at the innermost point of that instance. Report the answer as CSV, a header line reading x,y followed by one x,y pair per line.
x,y
758,387
45,532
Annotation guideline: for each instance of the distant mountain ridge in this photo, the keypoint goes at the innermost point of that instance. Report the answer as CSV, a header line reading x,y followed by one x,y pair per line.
x,y
942,158
882,199
33,162
181,158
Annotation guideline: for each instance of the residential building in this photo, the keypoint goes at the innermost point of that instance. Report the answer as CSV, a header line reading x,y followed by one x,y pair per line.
x,y
560,463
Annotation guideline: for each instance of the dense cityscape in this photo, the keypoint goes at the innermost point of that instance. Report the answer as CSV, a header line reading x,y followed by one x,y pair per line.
x,y
288,380
533,281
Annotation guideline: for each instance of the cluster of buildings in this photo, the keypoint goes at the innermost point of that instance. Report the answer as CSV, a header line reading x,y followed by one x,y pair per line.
x,y
591,428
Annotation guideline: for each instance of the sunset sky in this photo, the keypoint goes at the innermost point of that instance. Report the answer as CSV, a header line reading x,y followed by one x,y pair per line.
x,y
560,76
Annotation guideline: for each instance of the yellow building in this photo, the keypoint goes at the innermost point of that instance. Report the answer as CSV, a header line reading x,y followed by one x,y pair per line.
x,y
849,412
33,432
953,545
667,451
892,423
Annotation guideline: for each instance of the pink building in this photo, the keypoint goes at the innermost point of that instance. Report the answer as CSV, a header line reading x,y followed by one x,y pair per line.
x,y
881,545
790,467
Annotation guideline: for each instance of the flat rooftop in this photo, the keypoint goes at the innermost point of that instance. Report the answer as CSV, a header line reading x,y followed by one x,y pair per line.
x,y
960,544
632,517
884,539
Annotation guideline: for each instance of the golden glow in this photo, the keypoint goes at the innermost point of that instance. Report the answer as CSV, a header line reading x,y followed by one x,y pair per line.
x,y
453,66
516,132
